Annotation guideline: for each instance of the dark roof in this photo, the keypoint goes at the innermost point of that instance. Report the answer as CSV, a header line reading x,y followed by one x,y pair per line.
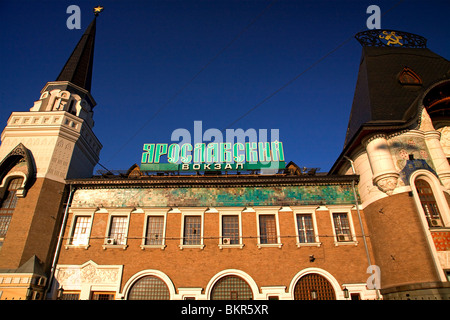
x,y
78,68
383,101
380,98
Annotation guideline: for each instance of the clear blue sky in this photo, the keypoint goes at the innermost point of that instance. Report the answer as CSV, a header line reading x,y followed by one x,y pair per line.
x,y
147,51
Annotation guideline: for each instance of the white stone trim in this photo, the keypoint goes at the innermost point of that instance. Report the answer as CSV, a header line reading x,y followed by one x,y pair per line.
x,y
230,211
88,277
159,212
192,212
438,192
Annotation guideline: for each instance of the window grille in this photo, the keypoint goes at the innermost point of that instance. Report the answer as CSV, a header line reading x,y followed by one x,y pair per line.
x,y
342,226
118,229
313,287
102,296
155,225
267,229
192,230
230,228
428,203
305,228
231,288
81,231
149,288
8,204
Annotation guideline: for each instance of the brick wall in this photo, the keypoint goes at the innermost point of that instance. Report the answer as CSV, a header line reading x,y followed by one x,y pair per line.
x,y
32,229
398,240
195,267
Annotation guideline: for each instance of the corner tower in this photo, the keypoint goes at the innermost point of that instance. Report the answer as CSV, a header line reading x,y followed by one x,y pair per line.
x,y
398,143
39,150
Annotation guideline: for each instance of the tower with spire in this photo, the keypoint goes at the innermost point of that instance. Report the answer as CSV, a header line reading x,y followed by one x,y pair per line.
x,y
39,150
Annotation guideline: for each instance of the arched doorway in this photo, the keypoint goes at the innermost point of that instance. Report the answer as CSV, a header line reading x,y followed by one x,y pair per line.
x,y
149,288
313,286
231,288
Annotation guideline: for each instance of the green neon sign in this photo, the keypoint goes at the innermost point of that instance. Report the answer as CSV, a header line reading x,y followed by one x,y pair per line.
x,y
213,156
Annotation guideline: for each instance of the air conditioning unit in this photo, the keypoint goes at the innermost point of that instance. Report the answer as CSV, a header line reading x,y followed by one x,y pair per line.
x,y
436,223
226,240
343,237
111,241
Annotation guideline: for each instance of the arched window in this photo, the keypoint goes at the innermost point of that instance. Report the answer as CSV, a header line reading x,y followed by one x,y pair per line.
x,y
8,204
231,288
429,204
149,288
408,76
314,287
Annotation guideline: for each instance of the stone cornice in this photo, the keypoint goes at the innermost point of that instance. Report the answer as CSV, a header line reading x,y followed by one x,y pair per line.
x,y
216,182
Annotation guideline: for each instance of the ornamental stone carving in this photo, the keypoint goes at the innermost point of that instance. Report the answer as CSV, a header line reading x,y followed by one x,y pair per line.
x,y
89,273
387,184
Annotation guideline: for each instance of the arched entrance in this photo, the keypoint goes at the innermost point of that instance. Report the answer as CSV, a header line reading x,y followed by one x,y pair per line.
x,y
313,286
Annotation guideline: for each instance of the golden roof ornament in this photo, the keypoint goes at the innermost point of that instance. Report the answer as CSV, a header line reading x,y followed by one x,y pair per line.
x,y
97,10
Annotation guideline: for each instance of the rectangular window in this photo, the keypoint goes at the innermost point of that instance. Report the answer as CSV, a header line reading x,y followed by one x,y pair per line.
x,y
155,228
230,229
7,206
102,296
305,228
342,227
118,230
81,231
4,224
73,295
267,229
192,230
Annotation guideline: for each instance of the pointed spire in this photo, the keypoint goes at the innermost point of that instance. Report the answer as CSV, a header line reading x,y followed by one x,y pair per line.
x,y
78,69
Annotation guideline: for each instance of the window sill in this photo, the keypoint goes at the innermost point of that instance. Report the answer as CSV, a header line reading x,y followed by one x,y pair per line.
x,y
114,246
153,246
443,228
233,246
345,243
269,245
191,246
77,246
308,244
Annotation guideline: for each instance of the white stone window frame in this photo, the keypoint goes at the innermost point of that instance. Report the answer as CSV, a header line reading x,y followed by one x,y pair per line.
x,y
305,211
192,212
21,191
439,257
438,192
234,211
79,212
268,211
348,210
154,213
116,212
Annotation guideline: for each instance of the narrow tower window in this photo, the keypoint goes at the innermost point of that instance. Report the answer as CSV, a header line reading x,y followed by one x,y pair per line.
x,y
407,76
429,204
8,204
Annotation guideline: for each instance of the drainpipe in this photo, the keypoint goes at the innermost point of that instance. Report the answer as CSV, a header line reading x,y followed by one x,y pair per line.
x,y
359,217
60,239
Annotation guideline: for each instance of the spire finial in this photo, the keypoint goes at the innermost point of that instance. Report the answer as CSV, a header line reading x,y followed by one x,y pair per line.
x,y
97,10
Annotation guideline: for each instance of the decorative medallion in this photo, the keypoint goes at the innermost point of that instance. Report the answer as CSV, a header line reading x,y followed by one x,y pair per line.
x,y
390,38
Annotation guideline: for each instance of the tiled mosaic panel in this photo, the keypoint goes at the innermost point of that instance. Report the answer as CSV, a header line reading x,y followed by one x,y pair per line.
x,y
199,197
441,240
402,146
